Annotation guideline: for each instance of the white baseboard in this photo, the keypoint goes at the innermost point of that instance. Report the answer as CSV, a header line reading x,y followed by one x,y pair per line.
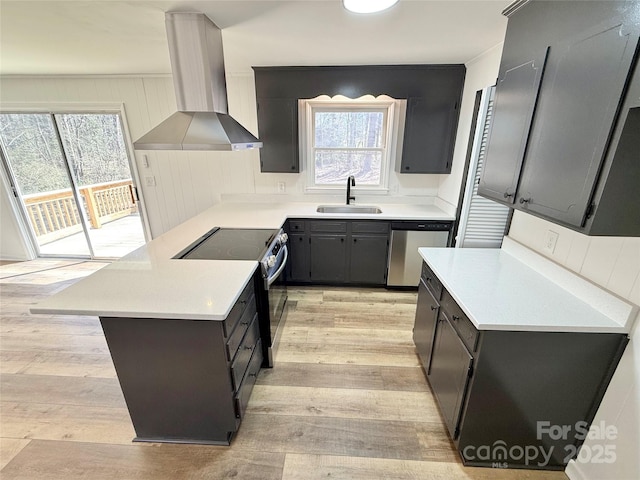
x,y
574,472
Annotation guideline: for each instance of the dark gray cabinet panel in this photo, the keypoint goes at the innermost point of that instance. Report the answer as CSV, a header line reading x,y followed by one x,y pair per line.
x,y
429,135
328,258
516,94
449,372
368,259
278,132
299,257
578,104
425,324
338,251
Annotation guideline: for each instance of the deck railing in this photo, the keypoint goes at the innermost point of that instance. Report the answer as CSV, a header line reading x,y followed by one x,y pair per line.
x,y
54,214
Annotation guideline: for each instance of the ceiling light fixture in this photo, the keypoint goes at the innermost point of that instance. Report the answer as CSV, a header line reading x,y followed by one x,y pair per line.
x,y
368,6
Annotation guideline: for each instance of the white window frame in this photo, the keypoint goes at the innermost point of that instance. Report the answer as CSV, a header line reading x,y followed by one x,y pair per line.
x,y
307,108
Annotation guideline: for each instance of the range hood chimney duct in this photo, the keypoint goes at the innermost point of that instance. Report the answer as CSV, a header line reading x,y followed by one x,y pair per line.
x,y
202,121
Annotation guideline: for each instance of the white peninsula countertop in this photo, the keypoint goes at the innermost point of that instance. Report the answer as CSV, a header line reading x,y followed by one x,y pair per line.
x,y
515,289
149,283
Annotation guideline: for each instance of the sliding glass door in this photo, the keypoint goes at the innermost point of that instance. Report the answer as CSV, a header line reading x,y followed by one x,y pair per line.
x,y
72,177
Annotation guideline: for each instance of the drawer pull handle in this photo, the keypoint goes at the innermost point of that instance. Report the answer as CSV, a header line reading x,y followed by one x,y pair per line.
x,y
456,318
433,307
244,323
253,374
248,348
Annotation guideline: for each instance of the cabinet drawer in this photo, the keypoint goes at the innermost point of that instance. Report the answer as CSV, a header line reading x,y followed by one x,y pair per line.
x,y
241,360
370,227
328,227
431,281
238,333
468,333
296,226
244,392
246,298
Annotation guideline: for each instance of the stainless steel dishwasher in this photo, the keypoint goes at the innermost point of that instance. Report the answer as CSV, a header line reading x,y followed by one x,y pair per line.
x,y
406,237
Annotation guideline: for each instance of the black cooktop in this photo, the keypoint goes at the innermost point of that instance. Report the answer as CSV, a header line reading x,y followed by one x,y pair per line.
x,y
230,244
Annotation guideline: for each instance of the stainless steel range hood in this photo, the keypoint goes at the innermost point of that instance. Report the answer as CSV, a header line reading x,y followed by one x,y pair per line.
x,y
202,121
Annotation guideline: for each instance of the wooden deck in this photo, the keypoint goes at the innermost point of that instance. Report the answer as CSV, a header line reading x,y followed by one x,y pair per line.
x,y
347,398
112,240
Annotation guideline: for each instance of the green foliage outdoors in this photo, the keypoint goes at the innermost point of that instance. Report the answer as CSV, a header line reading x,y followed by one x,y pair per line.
x,y
93,144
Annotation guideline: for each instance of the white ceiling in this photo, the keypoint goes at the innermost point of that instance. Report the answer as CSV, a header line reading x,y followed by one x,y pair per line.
x,y
128,37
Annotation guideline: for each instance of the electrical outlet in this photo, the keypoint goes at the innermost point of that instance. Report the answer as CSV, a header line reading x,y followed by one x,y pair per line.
x,y
282,187
550,241
150,181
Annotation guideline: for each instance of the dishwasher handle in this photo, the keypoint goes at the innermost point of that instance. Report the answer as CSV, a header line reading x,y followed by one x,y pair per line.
x,y
427,225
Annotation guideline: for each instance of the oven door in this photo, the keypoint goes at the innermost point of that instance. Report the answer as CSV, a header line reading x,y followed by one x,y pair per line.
x,y
275,285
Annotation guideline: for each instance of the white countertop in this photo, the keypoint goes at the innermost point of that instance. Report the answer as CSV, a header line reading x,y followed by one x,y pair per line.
x,y
149,283
515,289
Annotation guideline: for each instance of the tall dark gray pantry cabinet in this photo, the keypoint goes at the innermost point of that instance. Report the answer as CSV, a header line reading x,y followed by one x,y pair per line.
x,y
564,143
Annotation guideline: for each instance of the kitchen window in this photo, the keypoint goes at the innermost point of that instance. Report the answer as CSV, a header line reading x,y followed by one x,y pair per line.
x,y
341,137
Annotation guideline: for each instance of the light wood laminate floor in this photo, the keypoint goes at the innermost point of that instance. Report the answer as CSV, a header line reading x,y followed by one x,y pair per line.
x,y
346,400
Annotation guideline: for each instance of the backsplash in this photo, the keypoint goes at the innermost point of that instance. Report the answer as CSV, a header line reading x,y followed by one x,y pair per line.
x,y
611,262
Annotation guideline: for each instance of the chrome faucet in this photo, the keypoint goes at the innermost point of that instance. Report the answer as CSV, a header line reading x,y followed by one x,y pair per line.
x,y
351,182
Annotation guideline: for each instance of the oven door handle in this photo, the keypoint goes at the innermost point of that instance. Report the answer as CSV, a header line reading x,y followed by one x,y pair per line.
x,y
277,273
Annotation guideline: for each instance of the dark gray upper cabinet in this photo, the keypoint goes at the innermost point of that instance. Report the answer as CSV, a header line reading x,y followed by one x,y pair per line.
x,y
576,112
562,152
278,124
433,94
515,100
429,135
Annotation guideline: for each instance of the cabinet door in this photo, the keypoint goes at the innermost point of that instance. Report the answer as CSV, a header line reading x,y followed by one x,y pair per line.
x,y
425,324
449,372
328,258
368,259
429,135
278,132
579,99
516,94
299,257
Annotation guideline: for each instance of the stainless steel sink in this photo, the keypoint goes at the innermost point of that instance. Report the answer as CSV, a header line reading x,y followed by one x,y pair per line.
x,y
348,209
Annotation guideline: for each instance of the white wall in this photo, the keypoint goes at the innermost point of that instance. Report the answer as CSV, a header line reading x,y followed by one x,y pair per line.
x,y
186,182
614,264
481,72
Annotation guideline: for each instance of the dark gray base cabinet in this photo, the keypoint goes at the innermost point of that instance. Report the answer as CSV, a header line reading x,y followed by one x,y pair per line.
x,y
338,251
500,392
187,381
